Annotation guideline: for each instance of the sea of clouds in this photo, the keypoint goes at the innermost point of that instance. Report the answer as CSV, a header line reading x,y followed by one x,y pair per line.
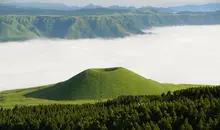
x,y
179,54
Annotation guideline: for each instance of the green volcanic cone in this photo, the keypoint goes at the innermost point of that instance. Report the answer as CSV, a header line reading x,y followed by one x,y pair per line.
x,y
95,84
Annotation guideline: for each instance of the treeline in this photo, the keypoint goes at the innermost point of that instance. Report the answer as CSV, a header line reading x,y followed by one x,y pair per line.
x,y
194,108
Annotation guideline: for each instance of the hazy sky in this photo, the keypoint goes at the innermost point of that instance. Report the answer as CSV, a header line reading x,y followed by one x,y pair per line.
x,y
124,2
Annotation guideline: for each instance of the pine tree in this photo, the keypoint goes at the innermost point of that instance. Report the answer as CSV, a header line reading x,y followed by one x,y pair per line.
x,y
186,125
200,125
146,126
165,124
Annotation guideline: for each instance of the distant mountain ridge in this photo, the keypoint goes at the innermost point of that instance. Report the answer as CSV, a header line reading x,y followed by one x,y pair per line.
x,y
18,24
60,6
53,6
38,5
197,8
91,23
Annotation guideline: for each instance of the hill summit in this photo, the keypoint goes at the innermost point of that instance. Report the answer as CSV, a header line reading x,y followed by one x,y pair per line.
x,y
96,84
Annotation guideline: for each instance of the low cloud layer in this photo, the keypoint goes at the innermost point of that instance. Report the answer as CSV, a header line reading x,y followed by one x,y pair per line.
x,y
186,54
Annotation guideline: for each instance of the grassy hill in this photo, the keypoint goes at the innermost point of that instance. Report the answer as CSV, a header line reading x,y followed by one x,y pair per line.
x,y
89,86
99,84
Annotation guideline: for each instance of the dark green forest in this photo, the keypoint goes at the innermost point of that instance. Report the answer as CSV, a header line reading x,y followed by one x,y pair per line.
x,y
194,108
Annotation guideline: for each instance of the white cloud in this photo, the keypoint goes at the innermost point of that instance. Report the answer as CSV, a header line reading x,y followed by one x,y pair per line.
x,y
187,54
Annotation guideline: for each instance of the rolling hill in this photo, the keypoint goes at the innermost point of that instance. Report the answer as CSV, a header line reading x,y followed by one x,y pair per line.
x,y
99,84
89,86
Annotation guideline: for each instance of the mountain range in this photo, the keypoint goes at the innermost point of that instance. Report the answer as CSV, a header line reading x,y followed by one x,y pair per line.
x,y
19,23
197,8
60,6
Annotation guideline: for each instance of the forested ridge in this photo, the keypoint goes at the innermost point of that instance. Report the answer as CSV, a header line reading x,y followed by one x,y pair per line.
x,y
116,24
194,108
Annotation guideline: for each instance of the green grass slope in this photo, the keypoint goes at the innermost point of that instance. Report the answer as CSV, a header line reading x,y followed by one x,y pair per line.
x,y
11,29
10,98
90,86
96,84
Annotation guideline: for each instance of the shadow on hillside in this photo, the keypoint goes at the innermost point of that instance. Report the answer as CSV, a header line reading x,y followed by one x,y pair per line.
x,y
55,93
41,93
